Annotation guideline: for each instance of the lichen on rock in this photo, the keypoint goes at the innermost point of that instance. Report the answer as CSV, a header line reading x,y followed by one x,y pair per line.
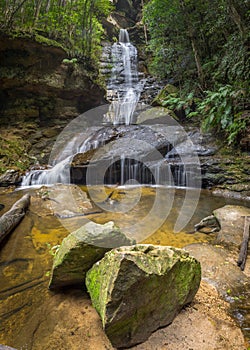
x,y
140,288
81,249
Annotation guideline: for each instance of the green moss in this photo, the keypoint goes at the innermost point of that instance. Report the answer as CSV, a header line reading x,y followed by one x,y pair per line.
x,y
34,36
48,42
14,153
168,277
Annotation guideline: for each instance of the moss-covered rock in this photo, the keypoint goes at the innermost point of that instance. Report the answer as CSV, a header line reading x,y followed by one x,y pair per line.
x,y
81,249
162,96
140,288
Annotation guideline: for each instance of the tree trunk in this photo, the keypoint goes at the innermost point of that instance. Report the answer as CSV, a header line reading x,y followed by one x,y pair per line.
x,y
236,17
10,219
244,245
37,11
191,36
10,14
197,61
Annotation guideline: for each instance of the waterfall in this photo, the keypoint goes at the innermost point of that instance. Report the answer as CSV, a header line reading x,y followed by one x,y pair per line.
x,y
124,87
123,91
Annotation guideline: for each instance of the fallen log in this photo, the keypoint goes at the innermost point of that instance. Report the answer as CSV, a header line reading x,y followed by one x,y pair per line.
x,y
10,219
244,245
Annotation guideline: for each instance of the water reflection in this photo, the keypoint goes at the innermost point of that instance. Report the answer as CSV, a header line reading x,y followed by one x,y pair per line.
x,y
26,257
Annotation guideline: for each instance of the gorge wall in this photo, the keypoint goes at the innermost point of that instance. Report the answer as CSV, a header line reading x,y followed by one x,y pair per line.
x,y
40,92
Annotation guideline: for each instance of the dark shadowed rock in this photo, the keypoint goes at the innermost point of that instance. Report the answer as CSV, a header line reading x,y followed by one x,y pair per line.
x,y
140,288
10,177
81,249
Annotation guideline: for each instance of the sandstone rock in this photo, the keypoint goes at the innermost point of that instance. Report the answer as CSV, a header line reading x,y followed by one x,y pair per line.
x,y
218,267
138,289
81,249
231,219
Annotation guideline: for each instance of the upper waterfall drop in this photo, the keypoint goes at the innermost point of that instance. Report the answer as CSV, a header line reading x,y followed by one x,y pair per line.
x,y
124,88
123,36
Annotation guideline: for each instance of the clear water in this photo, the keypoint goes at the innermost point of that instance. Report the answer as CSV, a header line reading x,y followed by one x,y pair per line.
x,y
26,260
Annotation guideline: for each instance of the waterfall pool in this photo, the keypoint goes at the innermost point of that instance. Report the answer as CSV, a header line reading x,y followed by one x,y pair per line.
x,y
26,257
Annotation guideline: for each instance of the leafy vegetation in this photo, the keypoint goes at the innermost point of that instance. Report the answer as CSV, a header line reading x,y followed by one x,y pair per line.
x,y
74,23
202,47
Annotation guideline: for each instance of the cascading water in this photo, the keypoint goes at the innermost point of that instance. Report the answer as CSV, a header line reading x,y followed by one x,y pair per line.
x,y
124,88
123,91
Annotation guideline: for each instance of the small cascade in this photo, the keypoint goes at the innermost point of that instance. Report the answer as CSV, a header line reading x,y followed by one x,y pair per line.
x,y
61,170
124,87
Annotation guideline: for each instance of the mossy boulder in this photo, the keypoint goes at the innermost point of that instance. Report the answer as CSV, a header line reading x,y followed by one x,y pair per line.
x,y
157,115
81,249
162,96
138,289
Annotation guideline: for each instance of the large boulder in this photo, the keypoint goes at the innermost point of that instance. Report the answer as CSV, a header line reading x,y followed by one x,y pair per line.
x,y
231,219
81,249
141,288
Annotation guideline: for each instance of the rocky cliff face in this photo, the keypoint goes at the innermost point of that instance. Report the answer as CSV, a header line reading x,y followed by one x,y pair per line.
x,y
41,91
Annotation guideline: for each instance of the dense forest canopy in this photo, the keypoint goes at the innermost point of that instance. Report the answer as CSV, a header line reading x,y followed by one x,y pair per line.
x,y
74,23
203,46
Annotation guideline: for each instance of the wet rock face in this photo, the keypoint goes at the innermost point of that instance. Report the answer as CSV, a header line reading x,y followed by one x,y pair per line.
x,y
138,145
140,288
81,249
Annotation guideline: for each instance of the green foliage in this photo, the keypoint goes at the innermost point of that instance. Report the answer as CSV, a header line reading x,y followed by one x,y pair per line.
x,y
66,61
178,103
53,249
202,47
192,39
74,23
222,110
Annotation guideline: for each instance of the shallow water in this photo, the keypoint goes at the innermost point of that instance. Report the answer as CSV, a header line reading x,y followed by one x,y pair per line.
x,y
26,257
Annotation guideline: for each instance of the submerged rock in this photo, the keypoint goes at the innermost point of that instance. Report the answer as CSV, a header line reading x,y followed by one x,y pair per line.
x,y
81,249
139,289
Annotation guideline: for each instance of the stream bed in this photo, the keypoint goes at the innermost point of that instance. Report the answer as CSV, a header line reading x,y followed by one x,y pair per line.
x,y
27,255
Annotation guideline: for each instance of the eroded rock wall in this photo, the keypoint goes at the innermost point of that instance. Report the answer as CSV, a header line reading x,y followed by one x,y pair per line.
x,y
40,92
